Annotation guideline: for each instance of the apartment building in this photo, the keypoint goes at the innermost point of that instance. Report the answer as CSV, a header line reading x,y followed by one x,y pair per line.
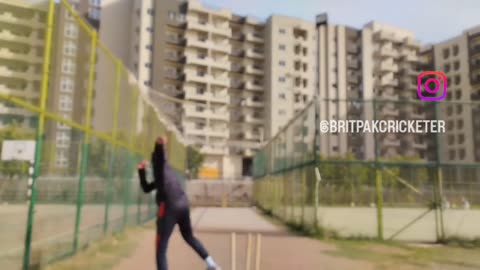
x,y
290,67
22,41
379,62
339,54
459,59
69,82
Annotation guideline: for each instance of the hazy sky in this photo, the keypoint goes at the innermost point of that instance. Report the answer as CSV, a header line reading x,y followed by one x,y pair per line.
x,y
430,20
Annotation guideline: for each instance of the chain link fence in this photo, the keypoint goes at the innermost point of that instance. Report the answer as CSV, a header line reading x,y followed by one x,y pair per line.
x,y
92,123
413,186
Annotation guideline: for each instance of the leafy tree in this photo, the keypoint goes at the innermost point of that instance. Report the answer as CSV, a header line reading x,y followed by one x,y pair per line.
x,y
194,161
14,131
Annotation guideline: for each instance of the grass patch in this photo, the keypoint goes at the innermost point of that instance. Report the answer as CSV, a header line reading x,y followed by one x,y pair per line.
x,y
102,254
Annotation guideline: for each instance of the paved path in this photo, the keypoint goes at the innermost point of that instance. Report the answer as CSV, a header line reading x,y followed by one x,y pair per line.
x,y
213,226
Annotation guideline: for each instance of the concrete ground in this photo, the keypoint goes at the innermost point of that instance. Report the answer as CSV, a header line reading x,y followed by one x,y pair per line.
x,y
214,227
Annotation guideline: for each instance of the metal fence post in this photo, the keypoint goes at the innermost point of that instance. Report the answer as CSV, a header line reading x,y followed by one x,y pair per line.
x,y
379,189
40,132
118,76
86,140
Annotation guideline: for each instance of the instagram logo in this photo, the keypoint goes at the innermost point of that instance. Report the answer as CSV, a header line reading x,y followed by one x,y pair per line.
x,y
436,78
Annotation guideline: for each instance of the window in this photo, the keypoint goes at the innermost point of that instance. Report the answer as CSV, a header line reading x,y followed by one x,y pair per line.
x,y
70,48
281,79
456,65
148,65
461,154
450,125
281,63
66,85
451,154
457,79
150,11
455,50
281,96
449,110
282,47
172,15
460,124
458,94
71,30
446,53
461,138
181,17
459,109
68,66
65,103
451,139
446,67
281,112
282,31
94,13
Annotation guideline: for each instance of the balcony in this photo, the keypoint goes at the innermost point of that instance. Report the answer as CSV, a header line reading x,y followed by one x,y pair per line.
x,y
221,30
252,119
177,59
197,77
254,86
216,132
219,114
388,111
411,42
255,37
198,25
176,41
219,63
352,48
352,78
214,150
198,60
8,17
383,36
253,102
238,36
386,52
237,85
175,76
390,143
388,81
255,53
27,74
20,56
386,67
31,39
353,63
28,92
220,81
237,68
257,70
419,145
238,53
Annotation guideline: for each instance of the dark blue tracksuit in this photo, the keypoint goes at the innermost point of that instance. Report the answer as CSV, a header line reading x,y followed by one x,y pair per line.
x,y
173,207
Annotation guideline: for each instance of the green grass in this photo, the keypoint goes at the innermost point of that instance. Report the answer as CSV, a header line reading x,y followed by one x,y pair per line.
x,y
395,255
103,254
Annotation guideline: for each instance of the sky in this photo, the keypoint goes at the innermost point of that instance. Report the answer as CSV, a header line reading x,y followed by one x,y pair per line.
x,y
431,20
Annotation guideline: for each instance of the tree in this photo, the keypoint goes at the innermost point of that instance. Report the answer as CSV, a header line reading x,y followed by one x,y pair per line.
x,y
14,131
194,161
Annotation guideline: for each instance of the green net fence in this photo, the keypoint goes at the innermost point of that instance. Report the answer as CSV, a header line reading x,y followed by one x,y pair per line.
x,y
386,184
61,87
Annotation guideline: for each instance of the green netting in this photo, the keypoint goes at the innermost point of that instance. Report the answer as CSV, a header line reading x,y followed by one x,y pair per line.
x,y
406,186
96,125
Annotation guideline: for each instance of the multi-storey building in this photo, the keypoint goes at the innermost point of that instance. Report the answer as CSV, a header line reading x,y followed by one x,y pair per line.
x,y
290,67
459,59
22,42
377,62
69,81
